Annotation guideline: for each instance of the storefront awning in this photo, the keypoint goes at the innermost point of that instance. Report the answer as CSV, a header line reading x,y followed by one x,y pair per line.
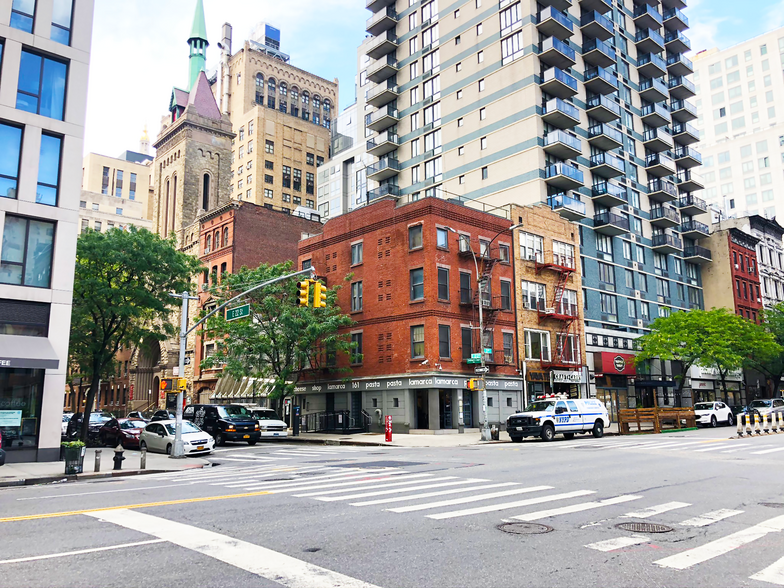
x,y
27,352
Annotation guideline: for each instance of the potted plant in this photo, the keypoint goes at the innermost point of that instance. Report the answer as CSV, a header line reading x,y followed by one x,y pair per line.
x,y
74,456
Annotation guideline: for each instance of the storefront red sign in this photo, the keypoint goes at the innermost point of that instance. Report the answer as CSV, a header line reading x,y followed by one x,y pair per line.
x,y
618,364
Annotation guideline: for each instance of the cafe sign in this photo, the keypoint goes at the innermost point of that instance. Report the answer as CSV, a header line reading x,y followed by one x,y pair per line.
x,y
567,377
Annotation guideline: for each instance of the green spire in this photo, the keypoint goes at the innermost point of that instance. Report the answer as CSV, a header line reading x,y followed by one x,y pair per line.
x,y
198,44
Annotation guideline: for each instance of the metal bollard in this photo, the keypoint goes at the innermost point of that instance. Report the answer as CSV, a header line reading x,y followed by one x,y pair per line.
x,y
97,467
118,457
143,462
741,425
749,425
757,430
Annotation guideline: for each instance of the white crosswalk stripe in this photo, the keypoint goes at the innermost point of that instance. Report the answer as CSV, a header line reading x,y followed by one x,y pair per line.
x,y
331,473
468,499
543,514
766,451
696,445
356,477
655,510
714,448
321,495
510,505
433,494
710,517
618,543
773,574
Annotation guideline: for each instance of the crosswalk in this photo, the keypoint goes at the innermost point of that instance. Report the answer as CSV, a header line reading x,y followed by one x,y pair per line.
x,y
750,447
282,453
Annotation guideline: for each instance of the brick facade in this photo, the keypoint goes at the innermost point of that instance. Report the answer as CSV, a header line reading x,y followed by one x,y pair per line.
x,y
744,274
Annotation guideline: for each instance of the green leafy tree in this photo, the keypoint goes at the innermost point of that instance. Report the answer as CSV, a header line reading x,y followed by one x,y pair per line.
x,y
281,340
771,364
121,298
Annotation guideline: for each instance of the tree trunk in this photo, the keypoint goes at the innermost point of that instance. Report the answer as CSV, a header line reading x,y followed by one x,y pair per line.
x,y
88,405
723,377
775,382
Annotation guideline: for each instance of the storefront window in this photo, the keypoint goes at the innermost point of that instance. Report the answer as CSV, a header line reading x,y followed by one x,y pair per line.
x,y
20,407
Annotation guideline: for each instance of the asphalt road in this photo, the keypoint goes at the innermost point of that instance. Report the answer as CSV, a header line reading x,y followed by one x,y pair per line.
x,y
280,514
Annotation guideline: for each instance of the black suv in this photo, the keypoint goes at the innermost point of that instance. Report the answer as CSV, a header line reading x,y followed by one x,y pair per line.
x,y
97,420
225,422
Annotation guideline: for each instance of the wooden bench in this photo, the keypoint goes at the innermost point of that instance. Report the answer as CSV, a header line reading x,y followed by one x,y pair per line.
x,y
658,418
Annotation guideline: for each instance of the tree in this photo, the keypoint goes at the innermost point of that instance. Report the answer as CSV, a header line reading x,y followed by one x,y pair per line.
x,y
121,298
281,340
771,364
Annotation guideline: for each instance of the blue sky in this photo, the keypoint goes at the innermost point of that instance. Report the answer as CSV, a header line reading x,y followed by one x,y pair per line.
x,y
139,49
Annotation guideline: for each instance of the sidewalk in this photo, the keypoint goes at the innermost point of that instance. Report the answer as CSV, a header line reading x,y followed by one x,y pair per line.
x,y
22,474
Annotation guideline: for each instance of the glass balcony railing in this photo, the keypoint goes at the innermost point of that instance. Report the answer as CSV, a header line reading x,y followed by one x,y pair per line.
x,y
561,76
599,72
593,16
649,34
605,188
565,138
558,105
563,169
655,108
697,251
680,128
556,15
683,152
655,84
682,81
599,45
652,58
666,240
663,212
608,159
555,43
383,190
604,101
610,218
661,185
678,36
675,13
646,9
693,202
693,226
607,130
559,201
659,159
674,58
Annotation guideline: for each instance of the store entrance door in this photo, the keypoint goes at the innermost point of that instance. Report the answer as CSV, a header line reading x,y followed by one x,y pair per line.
x,y
445,408
468,409
422,412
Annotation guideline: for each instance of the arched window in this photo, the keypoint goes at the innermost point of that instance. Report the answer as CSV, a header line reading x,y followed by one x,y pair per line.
x,y
294,94
316,102
174,206
165,232
259,88
327,107
283,89
217,239
305,97
207,243
205,192
271,85
225,236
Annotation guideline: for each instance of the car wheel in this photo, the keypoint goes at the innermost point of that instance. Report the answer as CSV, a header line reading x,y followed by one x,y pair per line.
x,y
168,449
548,433
568,435
142,446
219,440
598,429
714,423
730,420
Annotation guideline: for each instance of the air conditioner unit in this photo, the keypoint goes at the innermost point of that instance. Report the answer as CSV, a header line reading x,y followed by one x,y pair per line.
x,y
636,265
736,266
549,310
532,257
633,237
485,303
639,323
508,359
637,294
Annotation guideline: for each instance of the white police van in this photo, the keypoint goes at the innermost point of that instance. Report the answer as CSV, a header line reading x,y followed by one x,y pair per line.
x,y
547,416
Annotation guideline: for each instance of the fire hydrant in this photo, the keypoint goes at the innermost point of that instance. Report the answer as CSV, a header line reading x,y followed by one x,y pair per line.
x,y
118,457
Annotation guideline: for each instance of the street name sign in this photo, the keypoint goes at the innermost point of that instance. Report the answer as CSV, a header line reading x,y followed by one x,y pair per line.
x,y
238,312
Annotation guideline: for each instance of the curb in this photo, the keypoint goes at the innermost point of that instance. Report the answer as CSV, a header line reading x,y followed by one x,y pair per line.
x,y
87,476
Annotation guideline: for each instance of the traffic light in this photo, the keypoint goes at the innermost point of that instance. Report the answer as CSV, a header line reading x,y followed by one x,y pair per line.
x,y
475,384
182,384
304,292
319,295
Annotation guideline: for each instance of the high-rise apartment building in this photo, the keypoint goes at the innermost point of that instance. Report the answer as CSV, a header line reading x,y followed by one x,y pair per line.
x,y
44,61
582,104
741,125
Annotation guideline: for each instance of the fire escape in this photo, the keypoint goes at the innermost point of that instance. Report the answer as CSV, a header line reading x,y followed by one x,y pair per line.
x,y
563,311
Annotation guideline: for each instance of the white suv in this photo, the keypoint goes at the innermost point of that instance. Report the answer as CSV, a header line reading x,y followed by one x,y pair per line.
x,y
545,418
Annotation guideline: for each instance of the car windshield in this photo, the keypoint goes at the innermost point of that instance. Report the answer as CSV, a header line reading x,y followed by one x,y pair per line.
x,y
233,411
703,406
99,418
543,406
66,418
187,427
760,403
133,425
266,415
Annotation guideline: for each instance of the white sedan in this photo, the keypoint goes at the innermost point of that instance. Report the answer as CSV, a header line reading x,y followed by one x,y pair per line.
x,y
159,437
713,413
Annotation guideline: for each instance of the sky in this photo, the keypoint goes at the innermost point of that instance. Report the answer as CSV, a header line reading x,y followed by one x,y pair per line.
x,y
140,49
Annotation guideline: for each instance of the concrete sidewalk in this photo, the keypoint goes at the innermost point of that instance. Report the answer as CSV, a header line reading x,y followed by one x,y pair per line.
x,y
22,474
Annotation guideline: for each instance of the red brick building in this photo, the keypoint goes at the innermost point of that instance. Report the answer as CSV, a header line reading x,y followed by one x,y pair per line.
x,y
414,300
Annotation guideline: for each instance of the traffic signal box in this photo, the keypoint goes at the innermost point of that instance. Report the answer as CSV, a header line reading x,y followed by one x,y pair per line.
x,y
475,384
319,293
304,292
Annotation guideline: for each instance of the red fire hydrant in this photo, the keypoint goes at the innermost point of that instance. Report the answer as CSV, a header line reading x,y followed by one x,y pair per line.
x,y
388,428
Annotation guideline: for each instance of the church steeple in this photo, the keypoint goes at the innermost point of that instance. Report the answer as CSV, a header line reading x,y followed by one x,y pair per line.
x,y
198,44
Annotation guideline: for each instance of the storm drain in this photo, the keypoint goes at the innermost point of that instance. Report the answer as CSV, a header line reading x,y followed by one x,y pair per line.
x,y
524,528
644,527
773,504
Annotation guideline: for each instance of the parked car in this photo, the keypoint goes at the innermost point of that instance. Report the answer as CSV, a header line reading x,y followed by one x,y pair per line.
x,y
97,420
710,414
270,423
121,431
66,418
2,451
545,418
225,422
137,415
163,415
766,406
159,437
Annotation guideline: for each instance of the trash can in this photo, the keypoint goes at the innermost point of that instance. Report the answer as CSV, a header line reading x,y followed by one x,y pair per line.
x,y
74,459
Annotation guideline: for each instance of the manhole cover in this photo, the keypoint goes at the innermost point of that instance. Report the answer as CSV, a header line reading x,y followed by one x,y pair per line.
x,y
644,527
773,504
524,528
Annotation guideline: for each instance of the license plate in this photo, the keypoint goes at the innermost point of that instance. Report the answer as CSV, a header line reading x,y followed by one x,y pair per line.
x,y
246,436
519,428
200,448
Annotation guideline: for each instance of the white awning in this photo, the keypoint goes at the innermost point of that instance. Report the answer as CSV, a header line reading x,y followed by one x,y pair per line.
x,y
27,352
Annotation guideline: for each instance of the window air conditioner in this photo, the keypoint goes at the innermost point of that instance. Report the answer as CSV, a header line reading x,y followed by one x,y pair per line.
x,y
549,310
639,323
637,294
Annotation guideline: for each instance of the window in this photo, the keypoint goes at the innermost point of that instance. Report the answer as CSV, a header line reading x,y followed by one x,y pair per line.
x,y
309,159
503,253
416,278
537,345
61,21
356,296
95,206
531,247
627,250
481,85
444,342
118,211
269,146
356,348
442,238
310,182
483,143
298,179
466,342
26,258
415,237
418,342
506,295
629,279
11,142
608,304
659,261
41,87
640,253
645,312
22,15
662,288
512,47
604,244
484,173
268,193
631,308
479,29
480,57
533,295
356,253
606,273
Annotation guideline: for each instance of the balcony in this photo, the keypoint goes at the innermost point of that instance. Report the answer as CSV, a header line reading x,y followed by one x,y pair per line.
x,y
693,229
688,181
653,90
382,119
562,145
381,21
609,223
680,4
605,137
649,41
663,191
561,114
554,23
383,169
558,83
685,134
567,206
666,243
665,217
677,42
687,158
556,53
600,6
563,176
597,26
383,94
655,115
376,5
609,194
602,108
692,205
558,4
382,45
607,165
675,20
382,144
679,65
382,69
382,191
647,17
598,53
657,140
681,88
659,164
600,81
651,65
683,111
697,254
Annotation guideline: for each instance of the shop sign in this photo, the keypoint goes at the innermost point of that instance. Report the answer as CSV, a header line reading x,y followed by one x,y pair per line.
x,y
10,418
710,373
618,363
403,383
567,377
702,385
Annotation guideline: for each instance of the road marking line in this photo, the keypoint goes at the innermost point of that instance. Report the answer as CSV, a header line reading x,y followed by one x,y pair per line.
x,y
381,482
662,444
343,473
773,574
508,505
432,494
710,517
246,460
679,445
255,559
542,514
251,473
317,483
80,551
70,513
618,543
654,510
470,499
101,492
384,491
765,451
714,448
691,557
299,453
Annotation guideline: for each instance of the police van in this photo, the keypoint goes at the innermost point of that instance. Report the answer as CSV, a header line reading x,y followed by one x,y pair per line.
x,y
548,416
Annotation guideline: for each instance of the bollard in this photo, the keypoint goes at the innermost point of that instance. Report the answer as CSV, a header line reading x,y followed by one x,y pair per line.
x,y
118,457
741,425
757,430
764,423
143,462
779,423
97,467
749,427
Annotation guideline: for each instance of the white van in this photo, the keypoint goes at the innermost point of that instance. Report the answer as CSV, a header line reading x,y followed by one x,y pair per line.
x,y
544,418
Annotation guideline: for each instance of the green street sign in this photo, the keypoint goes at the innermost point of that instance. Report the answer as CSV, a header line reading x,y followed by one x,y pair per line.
x,y
238,312
473,360
488,351
476,356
